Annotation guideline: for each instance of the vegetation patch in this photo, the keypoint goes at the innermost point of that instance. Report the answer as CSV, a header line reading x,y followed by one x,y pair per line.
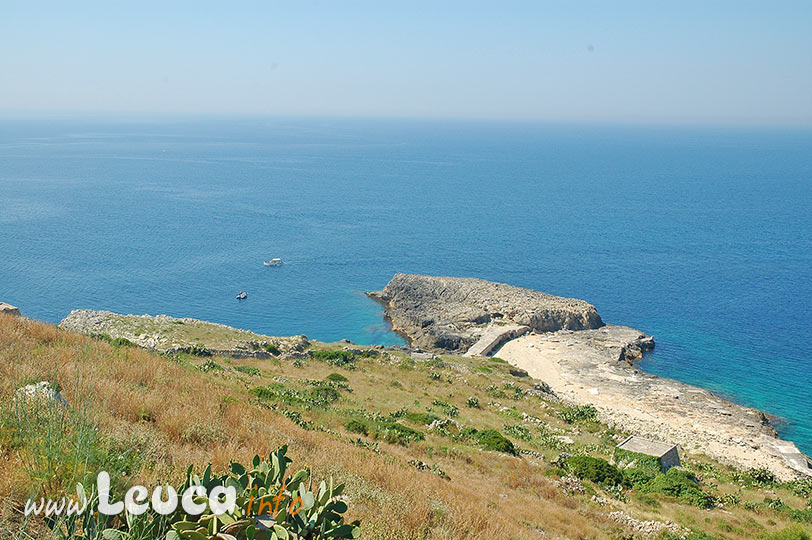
x,y
650,465
357,426
596,470
248,370
579,413
682,485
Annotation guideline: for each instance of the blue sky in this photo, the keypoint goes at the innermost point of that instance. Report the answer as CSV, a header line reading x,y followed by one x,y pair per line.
x,y
679,62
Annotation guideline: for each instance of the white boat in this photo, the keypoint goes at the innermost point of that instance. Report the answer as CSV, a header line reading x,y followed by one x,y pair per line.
x,y
273,262
242,296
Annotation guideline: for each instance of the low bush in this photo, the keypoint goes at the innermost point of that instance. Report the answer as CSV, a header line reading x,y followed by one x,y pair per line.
x,y
326,394
490,439
336,377
357,426
473,402
637,478
682,485
596,470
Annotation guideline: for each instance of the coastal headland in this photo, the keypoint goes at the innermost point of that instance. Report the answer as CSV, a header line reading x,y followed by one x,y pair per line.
x,y
564,343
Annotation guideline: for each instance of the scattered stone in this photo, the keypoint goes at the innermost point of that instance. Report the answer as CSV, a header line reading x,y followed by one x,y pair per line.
x,y
570,484
646,528
8,309
41,392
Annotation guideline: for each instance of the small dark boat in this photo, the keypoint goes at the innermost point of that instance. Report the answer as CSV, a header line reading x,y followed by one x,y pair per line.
x,y
242,296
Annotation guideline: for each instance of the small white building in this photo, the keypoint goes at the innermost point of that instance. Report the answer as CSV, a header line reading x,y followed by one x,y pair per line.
x,y
666,453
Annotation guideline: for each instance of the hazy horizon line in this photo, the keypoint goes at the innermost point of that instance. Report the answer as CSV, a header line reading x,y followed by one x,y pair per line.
x,y
135,116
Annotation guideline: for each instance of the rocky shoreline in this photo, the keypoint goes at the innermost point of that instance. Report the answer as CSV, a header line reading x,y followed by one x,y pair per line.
x,y
564,343
165,334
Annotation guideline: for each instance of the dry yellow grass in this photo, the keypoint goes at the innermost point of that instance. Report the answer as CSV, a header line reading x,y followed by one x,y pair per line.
x,y
174,416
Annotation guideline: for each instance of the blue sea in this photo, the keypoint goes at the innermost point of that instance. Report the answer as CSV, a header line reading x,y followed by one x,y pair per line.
x,y
700,237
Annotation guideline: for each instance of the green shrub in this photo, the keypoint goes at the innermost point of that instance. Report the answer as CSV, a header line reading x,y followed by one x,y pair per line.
x,y
490,439
682,485
336,377
597,470
434,376
637,478
357,426
498,360
272,349
473,402
325,394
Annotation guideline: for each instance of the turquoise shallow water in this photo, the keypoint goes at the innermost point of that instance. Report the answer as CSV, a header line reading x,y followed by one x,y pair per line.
x,y
702,238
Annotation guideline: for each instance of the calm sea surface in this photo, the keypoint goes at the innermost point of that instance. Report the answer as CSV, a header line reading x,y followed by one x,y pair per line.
x,y
702,238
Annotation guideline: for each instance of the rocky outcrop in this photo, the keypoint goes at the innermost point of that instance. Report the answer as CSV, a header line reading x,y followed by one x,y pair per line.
x,y
167,334
593,367
8,309
451,313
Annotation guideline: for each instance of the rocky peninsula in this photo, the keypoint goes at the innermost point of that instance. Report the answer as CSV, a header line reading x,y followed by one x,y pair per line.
x,y
564,342
451,313
165,334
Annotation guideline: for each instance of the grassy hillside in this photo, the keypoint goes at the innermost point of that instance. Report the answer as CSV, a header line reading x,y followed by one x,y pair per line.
x,y
448,448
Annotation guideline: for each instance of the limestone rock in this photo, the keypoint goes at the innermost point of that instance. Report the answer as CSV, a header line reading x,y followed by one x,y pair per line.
x,y
452,313
8,309
41,392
